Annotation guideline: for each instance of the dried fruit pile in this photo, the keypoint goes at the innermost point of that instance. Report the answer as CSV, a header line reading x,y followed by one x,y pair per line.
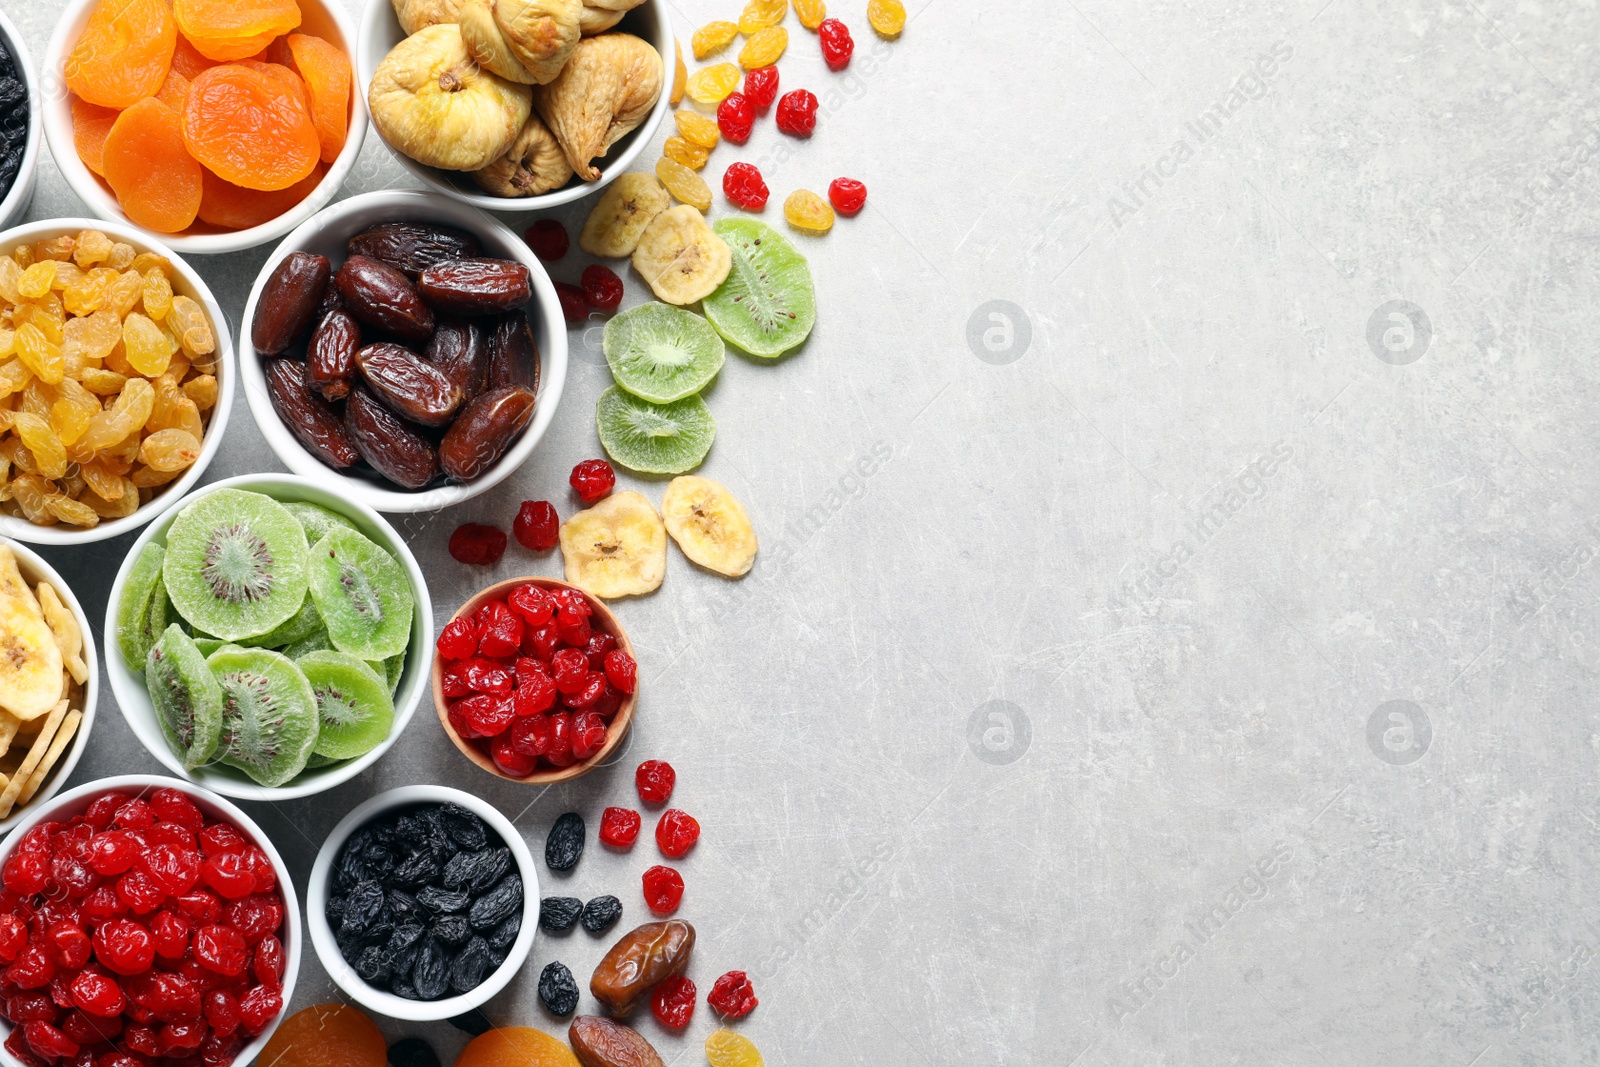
x,y
106,381
449,374
426,902
271,636
13,120
532,681
520,94
206,109
138,929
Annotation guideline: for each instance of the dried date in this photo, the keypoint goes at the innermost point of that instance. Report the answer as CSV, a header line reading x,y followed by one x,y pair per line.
x,y
603,1043
514,354
476,286
463,354
394,449
289,299
644,957
313,422
331,354
484,430
383,298
414,388
412,248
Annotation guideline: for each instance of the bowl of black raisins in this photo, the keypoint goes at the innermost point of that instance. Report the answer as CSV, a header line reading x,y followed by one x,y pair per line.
x,y
19,126
423,903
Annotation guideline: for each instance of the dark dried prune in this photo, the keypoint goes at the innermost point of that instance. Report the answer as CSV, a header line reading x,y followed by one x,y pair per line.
x,y
288,300
461,351
477,871
559,914
394,449
504,935
412,248
471,965
484,430
603,1043
412,387
514,354
431,975
476,286
473,1022
643,957
601,914
452,929
564,847
558,989
419,868
443,901
315,424
413,1052
331,354
362,907
491,909
465,828
381,297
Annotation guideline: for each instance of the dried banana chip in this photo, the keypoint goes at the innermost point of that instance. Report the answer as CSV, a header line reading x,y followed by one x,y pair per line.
x,y
65,628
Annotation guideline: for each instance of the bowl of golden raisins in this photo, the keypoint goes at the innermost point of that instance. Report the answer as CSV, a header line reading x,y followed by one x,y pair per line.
x,y
115,380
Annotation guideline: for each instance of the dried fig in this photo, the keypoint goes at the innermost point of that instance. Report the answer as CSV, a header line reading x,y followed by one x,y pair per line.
x,y
395,450
464,355
534,164
600,15
526,41
603,1043
643,958
484,430
417,15
414,388
308,416
602,94
431,101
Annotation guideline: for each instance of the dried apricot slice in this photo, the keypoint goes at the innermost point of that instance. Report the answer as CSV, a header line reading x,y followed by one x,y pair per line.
x,y
324,1035
228,49
90,124
326,71
174,90
246,128
156,180
187,60
283,76
123,52
219,29
237,208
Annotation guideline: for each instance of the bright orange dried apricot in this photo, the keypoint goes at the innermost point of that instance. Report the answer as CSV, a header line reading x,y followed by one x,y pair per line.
x,y
90,124
156,180
285,77
226,50
326,1035
174,90
187,60
123,53
326,71
237,208
234,29
247,129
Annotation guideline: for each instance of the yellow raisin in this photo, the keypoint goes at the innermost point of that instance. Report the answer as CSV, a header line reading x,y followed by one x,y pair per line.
x,y
713,37
30,492
92,336
764,48
15,452
202,389
23,254
117,358
122,256
55,248
112,426
50,316
126,450
193,330
8,342
35,281
690,155
888,17
169,450
148,477
123,293
14,375
711,85
124,504
49,454
724,1048
684,183
41,355
808,212
697,128
103,481
759,14
72,511
99,381
145,262
67,274
145,344
93,247
157,295
37,398
680,76
71,414
10,277
810,12
86,295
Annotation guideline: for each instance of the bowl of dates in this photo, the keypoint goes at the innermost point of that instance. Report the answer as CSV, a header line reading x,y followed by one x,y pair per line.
x,y
404,350
423,903
535,681
144,917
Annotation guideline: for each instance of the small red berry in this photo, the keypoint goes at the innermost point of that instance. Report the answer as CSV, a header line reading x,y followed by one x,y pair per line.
x,y
222,949
477,545
848,196
742,183
761,87
621,671
677,832
588,735
574,305
601,287
511,761
559,753
269,962
49,1042
736,117
672,1002
837,44
98,995
655,779
592,480
548,239
123,946
258,1007
732,996
534,605
663,889
458,640
619,827
797,113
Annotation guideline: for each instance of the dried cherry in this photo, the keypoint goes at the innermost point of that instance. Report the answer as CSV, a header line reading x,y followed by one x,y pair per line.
x,y
672,1002
537,527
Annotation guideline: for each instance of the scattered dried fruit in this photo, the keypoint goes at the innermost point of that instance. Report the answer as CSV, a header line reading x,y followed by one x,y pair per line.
x,y
837,44
736,118
742,183
713,37
477,545
848,196
764,47
808,212
711,85
672,1002
887,17
642,958
761,86
797,113
548,239
732,996
537,527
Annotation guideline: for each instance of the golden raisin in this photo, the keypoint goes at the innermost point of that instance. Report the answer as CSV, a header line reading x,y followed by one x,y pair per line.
x,y
157,295
713,37
764,48
40,355
49,454
888,17
711,85
35,281
93,248
146,345
808,212
684,183
724,1048
697,128
122,256
810,12
71,511
202,389
758,14
188,321
690,155
169,450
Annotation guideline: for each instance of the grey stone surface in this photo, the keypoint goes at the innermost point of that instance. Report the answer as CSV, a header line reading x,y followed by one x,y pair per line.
x,y
1057,722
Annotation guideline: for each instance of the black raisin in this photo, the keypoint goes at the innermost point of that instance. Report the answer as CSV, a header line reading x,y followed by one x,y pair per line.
x,y
405,945
558,989
334,911
362,907
431,975
403,905
474,1022
452,929
413,1052
441,901
403,989
464,827
558,914
471,965
564,847
502,936
420,868
477,871
491,909
601,913
373,964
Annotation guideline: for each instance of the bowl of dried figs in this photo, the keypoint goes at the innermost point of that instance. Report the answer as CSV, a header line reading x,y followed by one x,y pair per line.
x,y
516,105
403,349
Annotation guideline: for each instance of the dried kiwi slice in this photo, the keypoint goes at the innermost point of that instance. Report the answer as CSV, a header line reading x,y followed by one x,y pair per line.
x,y
363,594
134,636
654,438
662,353
303,624
235,564
315,519
186,697
269,713
353,706
394,668
768,304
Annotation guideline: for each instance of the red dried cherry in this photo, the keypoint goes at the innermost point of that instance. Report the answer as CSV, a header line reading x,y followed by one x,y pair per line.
x,y
655,779
574,305
123,946
837,44
142,893
47,1041
797,113
170,932
98,995
848,196
672,1002
569,667
534,696
222,1011
231,874
548,239
676,832
28,1007
172,998
573,628
458,640
222,949
732,996
257,1008
269,962
742,183
736,117
477,545
502,630
531,735
68,944
619,827
663,889
172,806
588,735
134,815
13,936
178,1038
25,873
559,753
601,287
537,527
486,715
532,603
595,650
255,917
592,480
200,907
484,676
103,809
174,869
761,87
622,672
509,759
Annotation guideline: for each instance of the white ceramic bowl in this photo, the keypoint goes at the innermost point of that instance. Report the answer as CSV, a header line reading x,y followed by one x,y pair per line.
x,y
380,32
327,19
186,281
292,932
322,939
326,234
16,201
134,701
35,570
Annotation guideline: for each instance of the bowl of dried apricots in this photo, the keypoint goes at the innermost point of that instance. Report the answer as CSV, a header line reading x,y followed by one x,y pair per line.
x,y
116,378
217,125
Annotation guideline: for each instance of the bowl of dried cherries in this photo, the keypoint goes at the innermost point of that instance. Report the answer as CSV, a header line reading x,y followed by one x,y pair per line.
x,y
535,681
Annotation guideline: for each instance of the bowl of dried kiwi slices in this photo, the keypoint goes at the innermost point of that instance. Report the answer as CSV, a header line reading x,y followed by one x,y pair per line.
x,y
267,638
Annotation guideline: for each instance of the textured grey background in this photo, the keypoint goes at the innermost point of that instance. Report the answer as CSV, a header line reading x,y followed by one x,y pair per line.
x,y
1171,507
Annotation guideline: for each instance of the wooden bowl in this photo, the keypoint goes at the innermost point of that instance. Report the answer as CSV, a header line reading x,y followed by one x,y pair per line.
x,y
603,620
